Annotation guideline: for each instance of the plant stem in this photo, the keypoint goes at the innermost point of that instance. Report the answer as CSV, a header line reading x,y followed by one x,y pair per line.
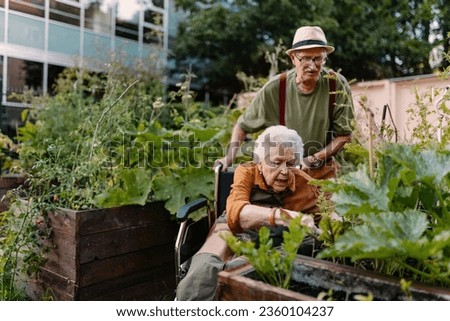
x,y
94,136
422,273
369,122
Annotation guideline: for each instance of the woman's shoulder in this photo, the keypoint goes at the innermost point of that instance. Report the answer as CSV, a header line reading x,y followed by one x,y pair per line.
x,y
245,167
245,172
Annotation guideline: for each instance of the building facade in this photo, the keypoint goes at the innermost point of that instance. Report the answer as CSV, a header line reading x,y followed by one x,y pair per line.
x,y
39,38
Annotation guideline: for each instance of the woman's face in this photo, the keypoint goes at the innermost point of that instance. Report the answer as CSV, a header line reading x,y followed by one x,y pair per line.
x,y
276,167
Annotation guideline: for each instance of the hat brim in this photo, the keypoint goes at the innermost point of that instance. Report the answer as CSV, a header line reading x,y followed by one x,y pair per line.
x,y
329,49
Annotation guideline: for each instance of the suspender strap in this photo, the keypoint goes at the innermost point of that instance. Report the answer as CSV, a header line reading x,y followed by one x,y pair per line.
x,y
282,98
331,104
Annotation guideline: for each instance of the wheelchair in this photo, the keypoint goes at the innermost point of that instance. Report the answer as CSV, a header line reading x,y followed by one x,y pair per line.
x,y
192,234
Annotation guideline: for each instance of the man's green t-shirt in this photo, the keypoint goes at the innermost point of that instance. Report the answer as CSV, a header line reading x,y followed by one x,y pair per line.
x,y
308,114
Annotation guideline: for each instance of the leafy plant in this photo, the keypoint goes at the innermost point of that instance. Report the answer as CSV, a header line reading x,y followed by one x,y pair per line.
x,y
396,201
430,117
106,140
400,218
274,266
23,240
9,162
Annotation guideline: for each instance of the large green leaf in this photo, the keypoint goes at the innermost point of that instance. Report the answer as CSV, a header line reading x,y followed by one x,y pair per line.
x,y
428,165
358,193
134,188
182,186
389,235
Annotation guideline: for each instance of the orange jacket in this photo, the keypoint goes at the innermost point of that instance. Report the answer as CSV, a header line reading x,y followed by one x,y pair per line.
x,y
247,178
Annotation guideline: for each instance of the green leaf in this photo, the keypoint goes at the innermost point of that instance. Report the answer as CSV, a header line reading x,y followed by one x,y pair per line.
x,y
134,188
182,186
389,235
359,194
274,266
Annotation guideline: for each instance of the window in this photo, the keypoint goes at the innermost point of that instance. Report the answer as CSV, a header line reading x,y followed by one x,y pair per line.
x,y
127,19
2,3
63,12
153,17
152,36
33,7
53,74
158,3
23,75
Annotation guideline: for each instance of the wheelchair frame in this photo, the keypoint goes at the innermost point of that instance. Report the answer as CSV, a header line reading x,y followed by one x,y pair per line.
x,y
197,231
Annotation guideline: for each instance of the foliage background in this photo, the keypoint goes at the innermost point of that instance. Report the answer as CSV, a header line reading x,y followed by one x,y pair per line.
x,y
373,39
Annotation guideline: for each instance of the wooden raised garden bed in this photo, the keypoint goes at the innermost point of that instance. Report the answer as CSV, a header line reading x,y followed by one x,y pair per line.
x,y
312,277
122,253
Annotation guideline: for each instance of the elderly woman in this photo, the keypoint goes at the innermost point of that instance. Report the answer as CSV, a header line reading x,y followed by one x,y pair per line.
x,y
265,192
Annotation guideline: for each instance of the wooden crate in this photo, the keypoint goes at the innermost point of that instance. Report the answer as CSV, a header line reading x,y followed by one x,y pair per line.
x,y
320,276
122,253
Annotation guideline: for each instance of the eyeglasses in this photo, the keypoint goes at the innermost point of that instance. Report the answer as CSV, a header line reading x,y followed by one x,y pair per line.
x,y
318,61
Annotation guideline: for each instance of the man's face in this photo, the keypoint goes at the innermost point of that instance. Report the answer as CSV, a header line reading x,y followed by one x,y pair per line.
x,y
308,63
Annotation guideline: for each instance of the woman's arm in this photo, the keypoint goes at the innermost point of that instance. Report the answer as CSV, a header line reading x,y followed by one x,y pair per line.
x,y
253,217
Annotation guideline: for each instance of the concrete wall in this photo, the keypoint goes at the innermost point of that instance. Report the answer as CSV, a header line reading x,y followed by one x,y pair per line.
x,y
399,94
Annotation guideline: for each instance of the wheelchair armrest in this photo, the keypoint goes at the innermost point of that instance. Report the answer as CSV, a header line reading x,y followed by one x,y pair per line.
x,y
190,207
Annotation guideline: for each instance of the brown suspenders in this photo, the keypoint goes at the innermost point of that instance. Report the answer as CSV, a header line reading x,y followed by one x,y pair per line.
x,y
331,101
282,98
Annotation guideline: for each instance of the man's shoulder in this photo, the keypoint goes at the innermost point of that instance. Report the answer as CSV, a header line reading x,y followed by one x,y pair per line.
x,y
275,80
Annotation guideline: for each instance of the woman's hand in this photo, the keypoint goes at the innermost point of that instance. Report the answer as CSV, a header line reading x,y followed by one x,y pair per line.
x,y
306,220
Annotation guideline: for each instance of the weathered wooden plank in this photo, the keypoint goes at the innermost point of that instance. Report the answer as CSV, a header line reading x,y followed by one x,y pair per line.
x,y
63,221
117,266
112,243
235,287
147,284
61,264
107,219
63,242
37,291
153,290
51,285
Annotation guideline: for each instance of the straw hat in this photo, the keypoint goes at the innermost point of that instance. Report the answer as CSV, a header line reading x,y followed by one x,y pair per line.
x,y
309,37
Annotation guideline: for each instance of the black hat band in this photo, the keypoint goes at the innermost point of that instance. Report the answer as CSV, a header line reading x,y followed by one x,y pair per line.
x,y
308,42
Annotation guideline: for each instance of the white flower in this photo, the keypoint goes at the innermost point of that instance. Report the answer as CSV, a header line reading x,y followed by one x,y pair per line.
x,y
158,103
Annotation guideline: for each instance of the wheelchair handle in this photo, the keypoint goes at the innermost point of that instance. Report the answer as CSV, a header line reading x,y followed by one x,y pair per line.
x,y
190,207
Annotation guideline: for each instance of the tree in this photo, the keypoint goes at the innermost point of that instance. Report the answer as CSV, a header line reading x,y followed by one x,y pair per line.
x,y
373,39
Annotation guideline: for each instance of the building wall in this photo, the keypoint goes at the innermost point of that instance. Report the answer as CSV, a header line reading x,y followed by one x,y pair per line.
x,y
39,38
399,94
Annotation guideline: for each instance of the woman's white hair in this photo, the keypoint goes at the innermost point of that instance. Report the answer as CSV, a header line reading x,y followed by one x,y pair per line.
x,y
277,136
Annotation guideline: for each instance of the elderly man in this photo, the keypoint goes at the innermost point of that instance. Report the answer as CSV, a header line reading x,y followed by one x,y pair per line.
x,y
311,99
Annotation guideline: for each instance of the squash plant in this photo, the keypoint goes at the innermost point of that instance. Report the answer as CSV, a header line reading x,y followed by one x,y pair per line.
x,y
397,214
398,222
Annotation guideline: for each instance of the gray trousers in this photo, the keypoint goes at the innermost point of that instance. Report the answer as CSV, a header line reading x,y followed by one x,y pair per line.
x,y
200,282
